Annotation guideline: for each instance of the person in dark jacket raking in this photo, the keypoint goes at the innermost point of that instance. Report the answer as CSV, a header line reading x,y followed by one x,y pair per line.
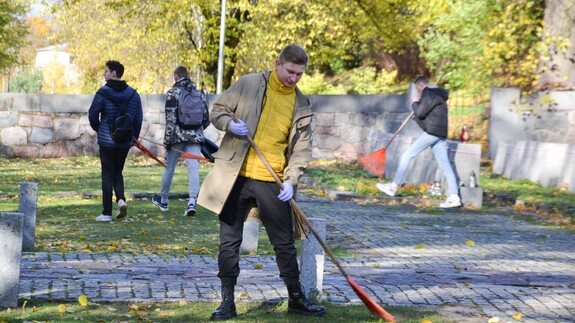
x,y
430,113
102,113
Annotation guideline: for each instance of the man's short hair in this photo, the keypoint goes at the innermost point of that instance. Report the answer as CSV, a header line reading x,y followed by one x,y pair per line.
x,y
181,71
115,66
421,79
294,54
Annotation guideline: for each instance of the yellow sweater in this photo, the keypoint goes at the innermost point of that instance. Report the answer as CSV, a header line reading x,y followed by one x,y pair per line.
x,y
272,133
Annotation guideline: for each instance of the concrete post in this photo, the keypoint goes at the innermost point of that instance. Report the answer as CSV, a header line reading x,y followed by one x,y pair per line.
x,y
28,207
312,261
11,225
250,237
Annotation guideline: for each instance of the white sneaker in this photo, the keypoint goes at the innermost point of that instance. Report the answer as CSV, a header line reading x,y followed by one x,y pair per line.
x,y
104,218
452,201
122,209
389,188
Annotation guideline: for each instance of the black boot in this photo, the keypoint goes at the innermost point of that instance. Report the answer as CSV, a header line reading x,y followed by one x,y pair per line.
x,y
227,308
301,305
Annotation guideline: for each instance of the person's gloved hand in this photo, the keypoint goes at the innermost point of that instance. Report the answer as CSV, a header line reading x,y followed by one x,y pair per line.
x,y
286,193
238,128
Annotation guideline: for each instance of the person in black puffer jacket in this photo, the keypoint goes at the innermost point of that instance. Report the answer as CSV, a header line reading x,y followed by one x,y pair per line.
x,y
430,113
114,96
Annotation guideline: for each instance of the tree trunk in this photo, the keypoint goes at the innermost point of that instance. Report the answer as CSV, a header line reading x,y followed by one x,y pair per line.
x,y
559,72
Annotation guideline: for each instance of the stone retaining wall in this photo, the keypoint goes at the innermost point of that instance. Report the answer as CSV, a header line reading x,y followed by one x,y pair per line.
x,y
344,128
57,125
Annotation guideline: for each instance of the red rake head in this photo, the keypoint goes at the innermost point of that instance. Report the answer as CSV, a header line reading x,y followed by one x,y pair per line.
x,y
369,303
374,163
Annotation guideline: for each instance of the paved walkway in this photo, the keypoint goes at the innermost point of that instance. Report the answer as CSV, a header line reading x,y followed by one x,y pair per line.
x,y
405,257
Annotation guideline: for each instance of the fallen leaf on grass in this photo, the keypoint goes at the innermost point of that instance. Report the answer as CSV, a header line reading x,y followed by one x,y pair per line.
x,y
517,316
493,320
62,308
419,246
470,242
83,300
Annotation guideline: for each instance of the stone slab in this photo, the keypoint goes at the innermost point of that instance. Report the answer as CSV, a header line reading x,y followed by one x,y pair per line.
x,y
28,206
11,225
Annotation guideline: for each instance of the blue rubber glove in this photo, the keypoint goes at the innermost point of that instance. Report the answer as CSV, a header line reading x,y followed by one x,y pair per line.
x,y
286,193
238,128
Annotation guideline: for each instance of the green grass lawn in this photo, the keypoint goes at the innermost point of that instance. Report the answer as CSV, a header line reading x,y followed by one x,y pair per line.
x,y
46,311
69,202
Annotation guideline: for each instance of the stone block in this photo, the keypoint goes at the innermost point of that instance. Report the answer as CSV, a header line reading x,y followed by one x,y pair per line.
x,y
28,206
466,159
54,150
312,261
19,102
346,152
26,151
42,121
66,128
41,136
8,119
471,196
13,136
11,226
63,103
250,236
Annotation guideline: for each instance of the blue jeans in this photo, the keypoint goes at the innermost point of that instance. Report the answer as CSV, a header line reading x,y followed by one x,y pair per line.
x,y
172,158
439,147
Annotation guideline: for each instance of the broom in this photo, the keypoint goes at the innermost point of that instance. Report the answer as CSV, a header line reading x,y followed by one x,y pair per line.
x,y
183,153
374,163
369,303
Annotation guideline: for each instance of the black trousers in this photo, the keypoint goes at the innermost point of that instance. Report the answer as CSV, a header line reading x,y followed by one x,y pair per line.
x,y
276,218
112,161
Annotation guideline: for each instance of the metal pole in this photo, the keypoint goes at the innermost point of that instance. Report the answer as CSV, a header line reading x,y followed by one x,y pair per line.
x,y
221,51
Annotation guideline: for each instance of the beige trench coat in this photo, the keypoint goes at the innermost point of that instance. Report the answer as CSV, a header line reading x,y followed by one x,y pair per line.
x,y
244,99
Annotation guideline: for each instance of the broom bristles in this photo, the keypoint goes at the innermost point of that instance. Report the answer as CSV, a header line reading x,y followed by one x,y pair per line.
x,y
369,303
374,163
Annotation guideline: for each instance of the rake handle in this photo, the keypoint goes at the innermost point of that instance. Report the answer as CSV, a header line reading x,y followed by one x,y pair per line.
x,y
183,153
293,203
398,130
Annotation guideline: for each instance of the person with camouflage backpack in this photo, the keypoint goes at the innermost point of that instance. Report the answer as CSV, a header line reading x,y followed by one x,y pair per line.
x,y
181,140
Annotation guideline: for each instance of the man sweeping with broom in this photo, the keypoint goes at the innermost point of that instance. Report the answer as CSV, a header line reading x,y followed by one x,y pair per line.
x,y
430,113
271,107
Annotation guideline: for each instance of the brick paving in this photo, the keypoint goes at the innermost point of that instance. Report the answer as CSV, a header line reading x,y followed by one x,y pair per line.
x,y
403,256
